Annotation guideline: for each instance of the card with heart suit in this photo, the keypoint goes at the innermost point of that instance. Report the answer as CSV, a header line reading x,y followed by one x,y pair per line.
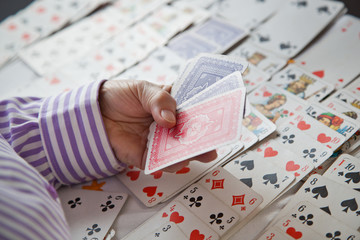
x,y
160,186
248,14
332,119
317,130
262,59
278,35
211,124
323,58
301,83
104,206
259,174
340,202
321,222
275,103
346,171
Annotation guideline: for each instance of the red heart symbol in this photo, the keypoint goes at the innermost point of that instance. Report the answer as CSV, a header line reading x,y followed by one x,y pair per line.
x,y
196,235
302,125
267,94
269,152
323,138
291,166
54,81
176,218
297,174
293,233
160,194
341,80
150,191
320,74
183,170
165,215
133,175
157,174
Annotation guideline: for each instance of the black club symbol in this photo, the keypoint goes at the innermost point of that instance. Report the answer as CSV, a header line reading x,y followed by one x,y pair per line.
x,y
335,236
216,218
196,201
307,219
74,203
107,205
93,229
309,153
289,139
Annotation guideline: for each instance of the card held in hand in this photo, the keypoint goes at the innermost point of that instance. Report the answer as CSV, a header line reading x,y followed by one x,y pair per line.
x,y
199,129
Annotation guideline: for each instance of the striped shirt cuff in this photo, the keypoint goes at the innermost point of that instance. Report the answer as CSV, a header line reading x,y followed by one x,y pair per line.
x,y
74,137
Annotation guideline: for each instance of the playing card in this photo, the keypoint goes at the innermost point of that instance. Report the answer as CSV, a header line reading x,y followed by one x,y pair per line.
x,y
234,193
253,77
203,72
262,59
278,35
214,213
300,144
354,86
90,214
346,171
258,124
260,175
247,138
248,14
321,222
167,231
347,98
338,201
274,103
302,84
317,130
211,124
336,121
323,58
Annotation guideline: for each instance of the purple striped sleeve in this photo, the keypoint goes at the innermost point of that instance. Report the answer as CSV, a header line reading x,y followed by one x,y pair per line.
x,y
74,137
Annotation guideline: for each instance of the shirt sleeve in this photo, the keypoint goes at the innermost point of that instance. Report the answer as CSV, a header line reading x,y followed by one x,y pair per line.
x,y
63,136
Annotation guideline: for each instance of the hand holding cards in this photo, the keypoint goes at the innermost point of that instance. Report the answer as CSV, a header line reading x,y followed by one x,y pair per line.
x,y
213,119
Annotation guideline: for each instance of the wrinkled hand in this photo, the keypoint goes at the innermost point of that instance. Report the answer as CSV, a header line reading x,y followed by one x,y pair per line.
x,y
128,109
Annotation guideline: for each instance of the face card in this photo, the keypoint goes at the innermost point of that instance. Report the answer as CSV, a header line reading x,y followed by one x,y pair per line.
x,y
260,175
321,222
284,41
234,193
262,59
324,57
257,123
274,103
211,124
105,206
340,202
302,84
203,72
346,171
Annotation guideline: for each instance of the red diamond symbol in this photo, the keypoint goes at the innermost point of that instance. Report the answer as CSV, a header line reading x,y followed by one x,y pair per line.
x,y
238,200
216,184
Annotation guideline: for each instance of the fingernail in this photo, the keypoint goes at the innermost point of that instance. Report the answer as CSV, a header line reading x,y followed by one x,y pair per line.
x,y
168,115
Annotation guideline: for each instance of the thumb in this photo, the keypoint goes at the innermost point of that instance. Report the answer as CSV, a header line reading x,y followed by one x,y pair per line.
x,y
159,103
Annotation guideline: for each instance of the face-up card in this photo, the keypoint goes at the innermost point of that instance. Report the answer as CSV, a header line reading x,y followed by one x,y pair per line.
x,y
105,206
211,124
253,77
234,193
214,213
262,59
203,72
285,159
277,34
321,222
260,175
274,103
302,84
317,130
340,202
298,142
348,98
336,121
338,105
354,86
323,58
257,123
167,231
248,138
346,171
